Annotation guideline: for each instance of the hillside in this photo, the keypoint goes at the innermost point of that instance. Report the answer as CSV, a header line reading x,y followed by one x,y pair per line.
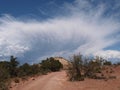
x,y
63,61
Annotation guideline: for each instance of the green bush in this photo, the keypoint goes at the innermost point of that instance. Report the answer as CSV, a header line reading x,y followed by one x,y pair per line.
x,y
24,70
13,65
75,68
51,65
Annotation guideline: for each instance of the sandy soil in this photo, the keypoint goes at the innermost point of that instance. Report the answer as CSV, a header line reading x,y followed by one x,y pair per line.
x,y
52,81
58,81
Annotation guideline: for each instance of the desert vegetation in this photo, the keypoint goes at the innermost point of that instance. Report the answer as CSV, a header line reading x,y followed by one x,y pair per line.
x,y
78,69
12,70
95,68
51,65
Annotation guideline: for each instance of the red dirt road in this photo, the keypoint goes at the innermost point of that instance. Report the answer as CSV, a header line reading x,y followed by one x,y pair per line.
x,y
52,81
58,81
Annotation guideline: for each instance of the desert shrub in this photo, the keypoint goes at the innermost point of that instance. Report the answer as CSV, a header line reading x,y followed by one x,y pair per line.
x,y
8,69
24,70
3,86
92,67
35,69
81,67
4,73
43,71
29,70
107,63
13,64
51,65
74,69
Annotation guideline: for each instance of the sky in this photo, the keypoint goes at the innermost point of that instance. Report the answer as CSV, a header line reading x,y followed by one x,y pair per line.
x,y
35,29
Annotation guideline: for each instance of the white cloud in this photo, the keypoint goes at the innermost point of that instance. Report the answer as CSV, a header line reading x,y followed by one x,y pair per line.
x,y
108,54
83,32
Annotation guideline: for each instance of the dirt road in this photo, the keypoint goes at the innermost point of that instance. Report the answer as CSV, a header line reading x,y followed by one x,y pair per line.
x,y
52,81
58,81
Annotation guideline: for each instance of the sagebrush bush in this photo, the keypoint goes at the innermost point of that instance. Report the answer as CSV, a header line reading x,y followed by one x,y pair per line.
x,y
75,68
81,68
3,86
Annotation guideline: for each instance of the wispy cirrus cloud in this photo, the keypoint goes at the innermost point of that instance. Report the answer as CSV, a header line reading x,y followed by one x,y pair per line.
x,y
84,29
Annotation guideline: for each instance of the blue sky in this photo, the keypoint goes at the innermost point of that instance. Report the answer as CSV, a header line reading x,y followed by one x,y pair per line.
x,y
35,29
31,8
